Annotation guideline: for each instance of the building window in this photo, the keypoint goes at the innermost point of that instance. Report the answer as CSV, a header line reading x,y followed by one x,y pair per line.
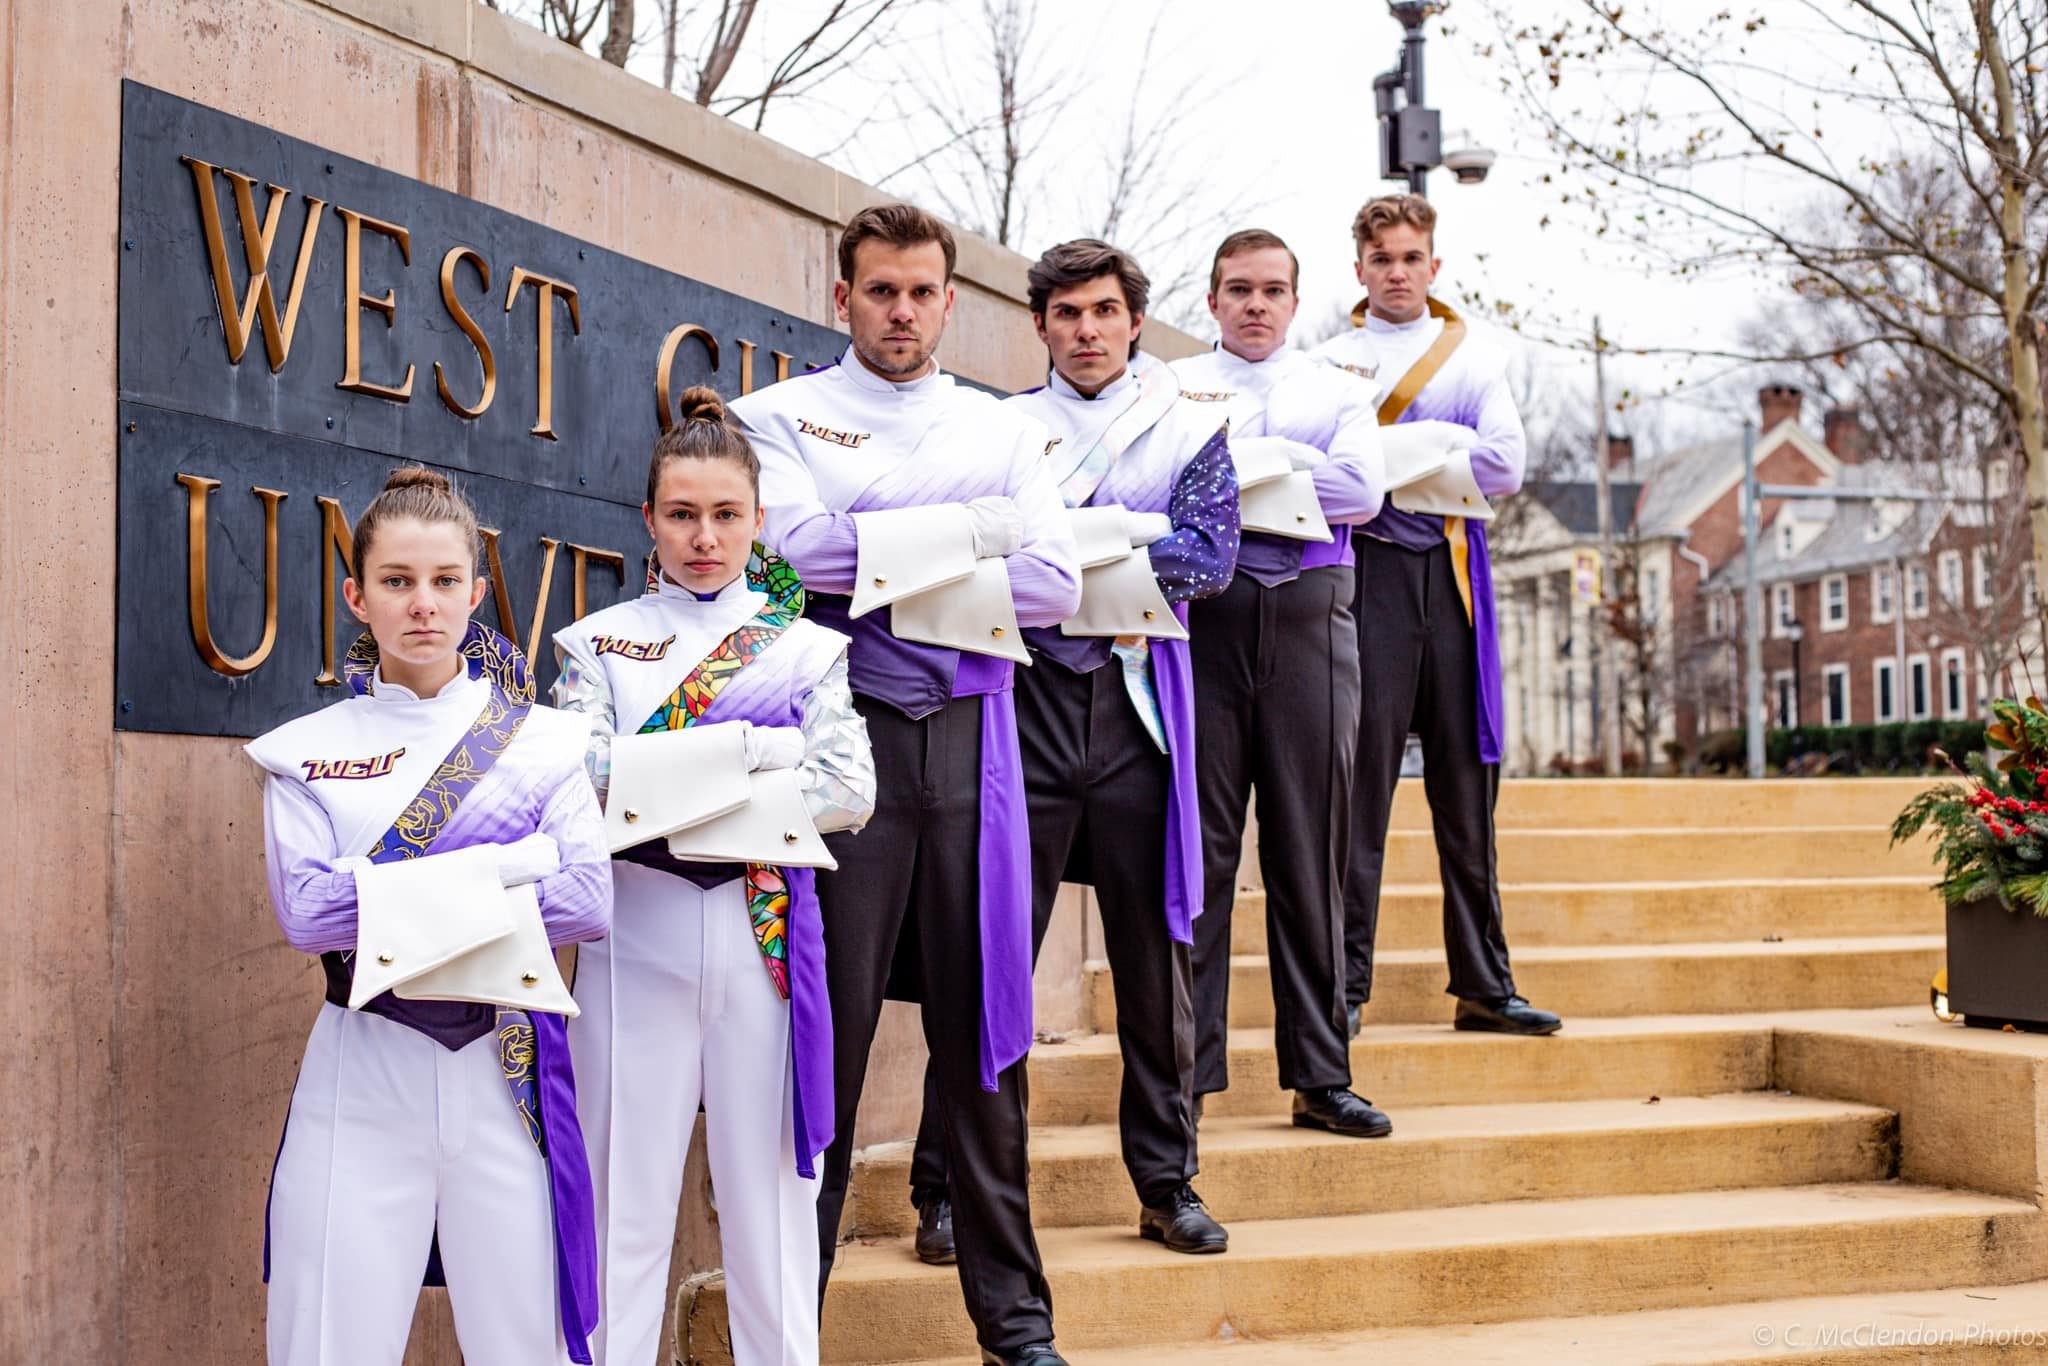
x,y
1919,689
1653,586
1916,590
1955,693
1980,572
1834,602
1949,565
2027,603
1834,684
1717,617
1781,608
1785,535
1997,479
1884,680
1786,695
1883,592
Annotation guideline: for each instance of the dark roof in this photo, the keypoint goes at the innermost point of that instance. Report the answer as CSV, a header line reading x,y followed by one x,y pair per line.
x,y
1577,504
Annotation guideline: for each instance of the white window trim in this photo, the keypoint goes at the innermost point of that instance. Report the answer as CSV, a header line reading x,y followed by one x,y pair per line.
x,y
1717,617
1848,716
1919,661
1917,571
1942,577
1980,575
1954,654
1781,683
1886,664
1780,620
1880,613
1834,581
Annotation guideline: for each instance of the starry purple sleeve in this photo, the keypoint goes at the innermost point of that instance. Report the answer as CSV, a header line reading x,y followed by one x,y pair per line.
x,y
314,899
1502,452
576,899
1353,484
820,543
1198,558
1045,574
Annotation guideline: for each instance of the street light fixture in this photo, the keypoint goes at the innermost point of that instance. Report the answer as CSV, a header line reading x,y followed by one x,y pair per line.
x,y
1411,133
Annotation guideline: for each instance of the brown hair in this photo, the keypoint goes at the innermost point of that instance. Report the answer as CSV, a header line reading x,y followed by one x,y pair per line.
x,y
895,225
703,433
1084,259
1390,209
418,494
1252,239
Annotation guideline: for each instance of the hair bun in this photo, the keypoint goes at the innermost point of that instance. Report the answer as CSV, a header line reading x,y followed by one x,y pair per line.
x,y
418,477
701,403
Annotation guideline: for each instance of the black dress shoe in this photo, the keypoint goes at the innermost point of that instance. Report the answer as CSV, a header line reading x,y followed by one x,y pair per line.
x,y
1336,1110
1183,1224
1037,1354
1512,1016
935,1230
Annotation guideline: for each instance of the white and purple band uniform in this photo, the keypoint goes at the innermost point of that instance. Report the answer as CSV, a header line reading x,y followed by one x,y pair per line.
x,y
1276,693
1411,626
394,1134
833,443
1109,747
678,1006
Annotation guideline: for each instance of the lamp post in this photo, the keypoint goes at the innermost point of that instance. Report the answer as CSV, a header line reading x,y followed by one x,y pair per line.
x,y
1795,632
1411,133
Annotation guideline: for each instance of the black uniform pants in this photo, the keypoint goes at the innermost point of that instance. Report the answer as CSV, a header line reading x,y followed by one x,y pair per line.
x,y
901,916
1276,712
1421,670
1095,785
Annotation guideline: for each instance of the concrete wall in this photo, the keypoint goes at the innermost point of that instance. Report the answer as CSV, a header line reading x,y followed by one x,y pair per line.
x,y
155,1017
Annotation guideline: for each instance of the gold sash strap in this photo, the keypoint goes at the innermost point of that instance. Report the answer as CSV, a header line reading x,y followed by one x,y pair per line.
x,y
1403,394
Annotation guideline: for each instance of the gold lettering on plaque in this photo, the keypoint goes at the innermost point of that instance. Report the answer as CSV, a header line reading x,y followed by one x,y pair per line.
x,y
664,401
356,301
258,306
469,328
546,289
197,489
337,536
580,559
508,624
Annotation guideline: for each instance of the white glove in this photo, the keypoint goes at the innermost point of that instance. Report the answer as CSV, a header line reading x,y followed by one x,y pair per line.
x,y
1303,456
773,747
998,527
1146,527
529,859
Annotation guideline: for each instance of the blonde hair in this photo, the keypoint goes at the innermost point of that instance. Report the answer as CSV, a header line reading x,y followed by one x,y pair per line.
x,y
1389,210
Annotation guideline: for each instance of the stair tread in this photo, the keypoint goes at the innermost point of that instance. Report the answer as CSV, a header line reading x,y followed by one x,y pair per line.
x,y
1618,1026
1712,948
1667,1337
1678,884
1109,1248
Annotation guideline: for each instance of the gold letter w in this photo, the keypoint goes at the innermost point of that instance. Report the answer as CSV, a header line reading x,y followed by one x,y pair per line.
x,y
258,305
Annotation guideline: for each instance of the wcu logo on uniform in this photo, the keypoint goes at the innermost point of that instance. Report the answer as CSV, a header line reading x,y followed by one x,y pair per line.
x,y
850,440
316,769
642,651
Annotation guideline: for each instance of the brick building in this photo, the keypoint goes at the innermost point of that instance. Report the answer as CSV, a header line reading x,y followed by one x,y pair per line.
x,y
1876,609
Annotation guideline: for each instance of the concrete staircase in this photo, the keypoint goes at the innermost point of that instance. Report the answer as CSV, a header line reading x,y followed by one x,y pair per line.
x,y
1751,1142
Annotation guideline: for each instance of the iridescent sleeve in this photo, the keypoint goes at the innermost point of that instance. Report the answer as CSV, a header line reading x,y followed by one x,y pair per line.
x,y
582,687
1198,558
837,775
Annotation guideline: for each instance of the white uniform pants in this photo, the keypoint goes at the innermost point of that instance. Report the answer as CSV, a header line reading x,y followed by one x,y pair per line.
x,y
390,1132
678,1009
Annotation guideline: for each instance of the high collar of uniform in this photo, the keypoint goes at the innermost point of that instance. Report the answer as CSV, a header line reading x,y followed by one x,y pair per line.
x,y
857,373
453,691
1122,384
1253,370
665,587
1375,323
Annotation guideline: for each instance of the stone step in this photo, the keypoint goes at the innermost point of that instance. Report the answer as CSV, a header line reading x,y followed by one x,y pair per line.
x,y
1458,1265
1663,912
1607,980
1402,1066
1536,803
1664,853
1263,1168
1985,1325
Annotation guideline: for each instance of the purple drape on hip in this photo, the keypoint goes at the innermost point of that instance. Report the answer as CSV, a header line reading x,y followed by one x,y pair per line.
x,y
568,1183
1486,637
1173,679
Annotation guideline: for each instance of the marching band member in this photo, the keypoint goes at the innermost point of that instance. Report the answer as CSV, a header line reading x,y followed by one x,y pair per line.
x,y
710,988
430,837
1107,724
1427,643
882,475
1276,674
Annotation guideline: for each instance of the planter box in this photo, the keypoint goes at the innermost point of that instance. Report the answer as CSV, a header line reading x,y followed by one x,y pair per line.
x,y
1997,965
